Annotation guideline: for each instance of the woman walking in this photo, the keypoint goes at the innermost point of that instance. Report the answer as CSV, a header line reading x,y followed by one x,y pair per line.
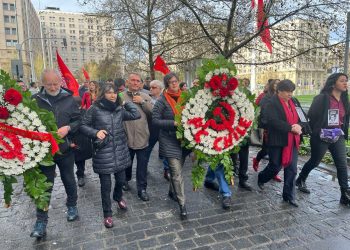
x,y
283,139
329,122
103,123
164,112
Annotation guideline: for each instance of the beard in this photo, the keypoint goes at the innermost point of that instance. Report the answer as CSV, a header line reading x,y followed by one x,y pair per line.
x,y
53,93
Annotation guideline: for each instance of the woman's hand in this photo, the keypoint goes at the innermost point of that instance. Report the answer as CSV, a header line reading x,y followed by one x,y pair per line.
x,y
296,129
101,134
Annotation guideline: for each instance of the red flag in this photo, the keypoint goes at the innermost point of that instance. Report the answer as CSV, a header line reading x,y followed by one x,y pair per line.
x,y
72,84
262,22
160,65
86,75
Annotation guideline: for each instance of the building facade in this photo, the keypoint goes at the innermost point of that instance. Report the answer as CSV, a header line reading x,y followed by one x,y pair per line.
x,y
308,70
78,37
20,39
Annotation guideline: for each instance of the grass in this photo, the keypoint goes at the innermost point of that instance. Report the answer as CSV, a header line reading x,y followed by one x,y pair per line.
x,y
305,99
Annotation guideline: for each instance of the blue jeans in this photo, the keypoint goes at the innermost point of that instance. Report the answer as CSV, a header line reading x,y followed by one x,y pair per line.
x,y
224,188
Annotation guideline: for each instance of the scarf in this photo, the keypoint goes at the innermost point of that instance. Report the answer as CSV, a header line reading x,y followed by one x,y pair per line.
x,y
173,99
292,118
109,105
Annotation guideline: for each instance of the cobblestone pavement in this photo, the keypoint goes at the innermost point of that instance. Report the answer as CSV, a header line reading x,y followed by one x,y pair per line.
x,y
257,220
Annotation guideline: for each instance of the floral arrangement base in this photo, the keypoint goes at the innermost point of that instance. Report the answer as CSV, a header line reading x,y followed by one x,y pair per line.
x,y
215,118
26,141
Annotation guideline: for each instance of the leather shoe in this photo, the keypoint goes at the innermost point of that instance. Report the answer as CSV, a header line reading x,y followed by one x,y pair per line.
x,y
81,182
143,195
122,204
277,178
226,202
183,212
261,185
245,186
211,185
291,202
255,164
166,175
108,222
302,185
172,196
72,213
126,186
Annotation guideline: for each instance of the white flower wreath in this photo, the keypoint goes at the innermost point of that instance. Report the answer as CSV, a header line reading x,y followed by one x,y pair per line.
x,y
197,108
34,151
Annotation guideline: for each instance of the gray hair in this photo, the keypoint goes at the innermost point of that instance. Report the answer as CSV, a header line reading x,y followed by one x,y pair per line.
x,y
135,73
158,83
167,78
49,70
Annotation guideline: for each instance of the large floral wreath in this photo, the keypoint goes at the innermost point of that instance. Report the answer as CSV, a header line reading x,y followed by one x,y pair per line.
x,y
25,141
215,118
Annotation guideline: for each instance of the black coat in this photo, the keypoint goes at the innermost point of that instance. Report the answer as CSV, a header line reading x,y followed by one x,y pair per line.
x,y
163,119
66,112
114,157
277,125
318,115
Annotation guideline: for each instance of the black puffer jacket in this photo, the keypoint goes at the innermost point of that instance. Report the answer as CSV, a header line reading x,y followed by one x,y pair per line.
x,y
65,110
114,157
163,118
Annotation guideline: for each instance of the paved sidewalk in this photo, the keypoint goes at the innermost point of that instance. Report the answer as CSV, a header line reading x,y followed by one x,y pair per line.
x,y
257,220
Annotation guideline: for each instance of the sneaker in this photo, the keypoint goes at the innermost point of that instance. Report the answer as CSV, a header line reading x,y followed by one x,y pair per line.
x,y
39,230
255,164
226,202
72,213
108,222
126,186
277,178
81,182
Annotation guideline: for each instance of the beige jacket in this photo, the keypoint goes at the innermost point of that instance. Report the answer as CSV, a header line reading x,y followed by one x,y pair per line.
x,y
137,130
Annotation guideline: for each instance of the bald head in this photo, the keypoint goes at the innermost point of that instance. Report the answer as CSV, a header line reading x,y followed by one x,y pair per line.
x,y
51,81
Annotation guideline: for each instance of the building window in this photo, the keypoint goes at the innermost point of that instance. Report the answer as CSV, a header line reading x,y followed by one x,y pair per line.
x,y
13,19
14,31
12,7
72,32
63,31
71,19
81,32
61,18
52,18
6,19
5,6
62,25
9,43
90,27
72,25
7,31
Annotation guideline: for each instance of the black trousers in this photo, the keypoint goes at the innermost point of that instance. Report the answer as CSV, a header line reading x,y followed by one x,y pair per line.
x,y
106,187
80,168
65,164
338,152
243,162
263,151
141,167
274,166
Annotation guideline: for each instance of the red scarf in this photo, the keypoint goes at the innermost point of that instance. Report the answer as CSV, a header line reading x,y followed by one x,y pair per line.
x,y
171,97
292,118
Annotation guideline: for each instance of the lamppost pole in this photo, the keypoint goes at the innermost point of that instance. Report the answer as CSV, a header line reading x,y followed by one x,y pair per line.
x,y
346,56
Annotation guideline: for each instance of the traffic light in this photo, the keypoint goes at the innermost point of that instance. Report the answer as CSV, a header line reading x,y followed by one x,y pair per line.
x,y
65,42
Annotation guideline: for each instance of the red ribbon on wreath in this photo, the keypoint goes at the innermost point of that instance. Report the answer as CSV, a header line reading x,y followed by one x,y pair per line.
x,y
33,135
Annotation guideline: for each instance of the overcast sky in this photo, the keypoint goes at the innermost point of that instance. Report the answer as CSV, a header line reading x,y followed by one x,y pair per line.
x,y
64,5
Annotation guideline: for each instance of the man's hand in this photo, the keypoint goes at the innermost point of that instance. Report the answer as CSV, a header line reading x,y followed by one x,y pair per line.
x,y
101,134
137,99
63,131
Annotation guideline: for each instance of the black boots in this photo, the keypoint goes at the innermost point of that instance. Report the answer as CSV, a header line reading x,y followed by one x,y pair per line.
x,y
345,196
302,185
183,212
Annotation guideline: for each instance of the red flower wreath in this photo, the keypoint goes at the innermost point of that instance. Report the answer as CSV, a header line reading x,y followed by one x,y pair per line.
x,y
13,96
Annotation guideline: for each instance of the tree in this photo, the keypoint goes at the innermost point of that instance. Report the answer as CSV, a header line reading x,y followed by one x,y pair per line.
x,y
38,65
137,23
231,25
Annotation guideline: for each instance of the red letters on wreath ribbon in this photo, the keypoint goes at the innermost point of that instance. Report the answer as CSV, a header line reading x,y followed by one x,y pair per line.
x,y
33,135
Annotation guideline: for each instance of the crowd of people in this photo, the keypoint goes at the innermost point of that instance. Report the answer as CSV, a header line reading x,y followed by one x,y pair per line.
x,y
115,121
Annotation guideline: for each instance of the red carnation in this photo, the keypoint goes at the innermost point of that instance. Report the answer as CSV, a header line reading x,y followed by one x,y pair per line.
x,y
13,97
4,113
215,82
232,84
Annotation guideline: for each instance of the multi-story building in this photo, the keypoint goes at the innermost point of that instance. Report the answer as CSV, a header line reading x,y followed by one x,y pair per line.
x,y
19,39
307,71
78,37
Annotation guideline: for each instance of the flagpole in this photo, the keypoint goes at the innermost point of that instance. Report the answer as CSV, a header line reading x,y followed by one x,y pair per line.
x,y
253,58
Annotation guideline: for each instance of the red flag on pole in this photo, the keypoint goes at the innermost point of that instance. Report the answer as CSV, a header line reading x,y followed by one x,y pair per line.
x,y
160,65
86,75
72,84
262,22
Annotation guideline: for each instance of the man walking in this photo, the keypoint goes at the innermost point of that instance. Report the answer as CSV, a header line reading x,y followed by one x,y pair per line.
x,y
60,102
138,134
